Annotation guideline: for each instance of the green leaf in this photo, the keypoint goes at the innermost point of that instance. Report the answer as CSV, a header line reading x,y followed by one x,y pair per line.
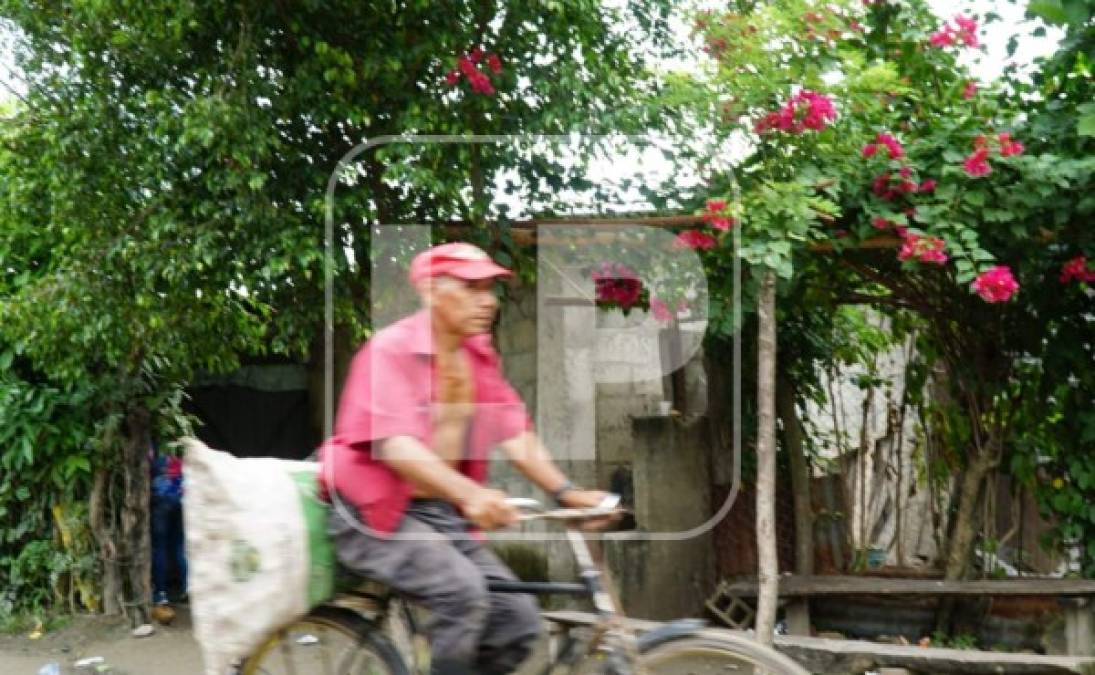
x,y
974,198
1085,126
1051,11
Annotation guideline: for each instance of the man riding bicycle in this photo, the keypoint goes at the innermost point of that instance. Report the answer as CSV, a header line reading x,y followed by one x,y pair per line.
x,y
424,403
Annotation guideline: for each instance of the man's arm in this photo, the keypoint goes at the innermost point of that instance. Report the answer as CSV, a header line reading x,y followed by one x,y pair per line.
x,y
531,457
413,461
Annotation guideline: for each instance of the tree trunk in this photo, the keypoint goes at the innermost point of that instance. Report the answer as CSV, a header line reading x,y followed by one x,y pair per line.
x,y
768,561
135,512
344,350
100,520
960,545
798,613
793,437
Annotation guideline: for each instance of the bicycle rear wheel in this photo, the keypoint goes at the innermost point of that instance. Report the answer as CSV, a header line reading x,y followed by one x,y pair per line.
x,y
704,655
328,641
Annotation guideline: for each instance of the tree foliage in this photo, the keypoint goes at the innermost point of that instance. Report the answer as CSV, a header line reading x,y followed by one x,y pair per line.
x,y
164,180
880,172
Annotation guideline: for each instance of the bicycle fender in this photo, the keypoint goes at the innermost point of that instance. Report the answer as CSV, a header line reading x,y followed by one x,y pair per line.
x,y
669,631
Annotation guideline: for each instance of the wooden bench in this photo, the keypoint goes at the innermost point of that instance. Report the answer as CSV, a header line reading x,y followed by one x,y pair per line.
x,y
819,655
1076,595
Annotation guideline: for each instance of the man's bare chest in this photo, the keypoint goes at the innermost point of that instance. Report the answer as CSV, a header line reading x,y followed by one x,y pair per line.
x,y
454,405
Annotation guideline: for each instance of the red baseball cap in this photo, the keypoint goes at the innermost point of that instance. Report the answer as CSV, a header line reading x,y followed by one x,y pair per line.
x,y
458,259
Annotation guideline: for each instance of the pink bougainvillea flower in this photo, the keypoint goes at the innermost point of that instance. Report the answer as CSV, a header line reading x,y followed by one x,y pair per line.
x,y
806,110
908,186
480,83
927,186
942,38
966,24
663,313
820,110
891,143
869,150
715,215
907,247
617,284
466,66
980,141
1076,270
1009,147
905,172
924,249
970,90
694,239
881,187
996,284
967,30
783,120
976,165
964,30
660,310
880,223
881,184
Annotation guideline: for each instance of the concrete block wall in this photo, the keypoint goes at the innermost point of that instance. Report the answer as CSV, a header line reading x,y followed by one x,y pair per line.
x,y
602,436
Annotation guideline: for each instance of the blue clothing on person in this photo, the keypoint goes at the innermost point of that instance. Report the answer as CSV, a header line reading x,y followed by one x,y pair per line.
x,y
167,526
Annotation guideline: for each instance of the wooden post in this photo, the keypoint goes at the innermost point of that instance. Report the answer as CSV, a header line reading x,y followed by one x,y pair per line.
x,y
1079,627
798,610
767,555
677,377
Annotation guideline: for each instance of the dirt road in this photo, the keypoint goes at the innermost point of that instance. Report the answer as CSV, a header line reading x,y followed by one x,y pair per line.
x,y
170,651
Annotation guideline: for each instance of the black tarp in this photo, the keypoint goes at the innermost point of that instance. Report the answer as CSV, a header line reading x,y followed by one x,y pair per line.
x,y
249,421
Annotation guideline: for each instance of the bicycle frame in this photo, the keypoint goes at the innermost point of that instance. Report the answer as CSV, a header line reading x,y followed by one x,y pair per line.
x,y
591,585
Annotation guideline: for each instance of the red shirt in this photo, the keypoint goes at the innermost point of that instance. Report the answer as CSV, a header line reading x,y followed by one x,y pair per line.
x,y
389,392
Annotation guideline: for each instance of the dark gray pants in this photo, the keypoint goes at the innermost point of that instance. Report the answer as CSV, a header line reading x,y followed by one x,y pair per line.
x,y
488,632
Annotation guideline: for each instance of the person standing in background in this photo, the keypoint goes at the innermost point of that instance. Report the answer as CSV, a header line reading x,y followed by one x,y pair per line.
x,y
167,525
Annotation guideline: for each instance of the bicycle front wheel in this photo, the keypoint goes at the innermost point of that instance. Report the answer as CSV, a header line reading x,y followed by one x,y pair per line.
x,y
328,641
703,655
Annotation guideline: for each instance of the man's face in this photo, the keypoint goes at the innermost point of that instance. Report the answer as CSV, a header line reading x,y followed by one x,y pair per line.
x,y
463,307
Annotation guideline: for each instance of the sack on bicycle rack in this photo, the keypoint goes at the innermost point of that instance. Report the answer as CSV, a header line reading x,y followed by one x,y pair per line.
x,y
259,555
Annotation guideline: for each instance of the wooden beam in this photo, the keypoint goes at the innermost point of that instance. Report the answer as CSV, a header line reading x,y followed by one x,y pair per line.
x,y
794,585
527,232
819,655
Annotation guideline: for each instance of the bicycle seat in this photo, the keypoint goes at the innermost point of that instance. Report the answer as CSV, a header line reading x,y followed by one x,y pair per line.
x,y
348,582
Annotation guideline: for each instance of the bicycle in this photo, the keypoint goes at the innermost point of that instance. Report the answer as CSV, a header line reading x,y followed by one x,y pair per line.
x,y
347,635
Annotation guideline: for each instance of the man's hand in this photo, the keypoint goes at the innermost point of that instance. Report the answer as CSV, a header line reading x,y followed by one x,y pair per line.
x,y
488,509
589,499
582,499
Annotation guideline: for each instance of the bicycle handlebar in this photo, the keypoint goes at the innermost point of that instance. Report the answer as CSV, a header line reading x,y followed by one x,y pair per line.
x,y
534,509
